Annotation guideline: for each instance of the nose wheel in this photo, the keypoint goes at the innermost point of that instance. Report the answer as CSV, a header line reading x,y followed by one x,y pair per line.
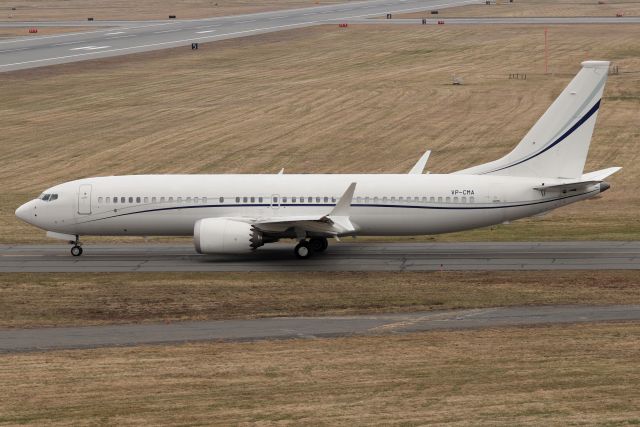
x,y
76,250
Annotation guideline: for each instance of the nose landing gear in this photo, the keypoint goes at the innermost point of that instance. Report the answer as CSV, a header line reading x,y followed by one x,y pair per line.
x,y
76,249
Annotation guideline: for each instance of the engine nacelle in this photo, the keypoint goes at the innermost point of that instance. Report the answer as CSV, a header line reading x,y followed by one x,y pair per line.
x,y
225,236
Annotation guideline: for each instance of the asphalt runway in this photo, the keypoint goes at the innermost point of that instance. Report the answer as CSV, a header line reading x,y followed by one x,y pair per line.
x,y
16,340
343,256
141,36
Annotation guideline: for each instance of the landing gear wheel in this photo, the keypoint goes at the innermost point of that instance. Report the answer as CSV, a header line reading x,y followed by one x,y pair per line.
x,y
76,250
303,250
319,244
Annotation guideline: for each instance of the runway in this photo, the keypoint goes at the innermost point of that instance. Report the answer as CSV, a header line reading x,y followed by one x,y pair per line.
x,y
15,340
132,37
113,38
344,256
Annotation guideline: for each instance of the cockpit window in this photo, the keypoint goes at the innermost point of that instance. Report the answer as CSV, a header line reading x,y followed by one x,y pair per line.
x,y
48,197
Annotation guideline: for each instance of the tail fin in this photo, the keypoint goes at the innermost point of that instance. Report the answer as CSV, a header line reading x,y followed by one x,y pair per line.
x,y
557,145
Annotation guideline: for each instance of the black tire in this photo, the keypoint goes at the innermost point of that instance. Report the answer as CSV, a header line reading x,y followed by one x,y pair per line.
x,y
76,251
303,250
319,244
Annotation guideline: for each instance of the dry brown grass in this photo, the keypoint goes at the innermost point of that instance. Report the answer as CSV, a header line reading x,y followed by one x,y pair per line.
x,y
536,8
28,300
560,375
45,10
9,32
364,99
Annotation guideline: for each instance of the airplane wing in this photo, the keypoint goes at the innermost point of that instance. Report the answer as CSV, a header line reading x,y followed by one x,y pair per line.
x,y
334,223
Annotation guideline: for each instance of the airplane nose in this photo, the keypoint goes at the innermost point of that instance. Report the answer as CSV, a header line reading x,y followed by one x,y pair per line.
x,y
24,211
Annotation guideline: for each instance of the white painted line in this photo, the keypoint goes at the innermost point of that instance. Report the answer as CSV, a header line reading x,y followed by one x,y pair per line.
x,y
167,31
204,32
120,37
90,48
114,33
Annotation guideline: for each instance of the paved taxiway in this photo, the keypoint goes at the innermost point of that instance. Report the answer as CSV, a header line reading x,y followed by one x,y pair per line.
x,y
28,52
344,256
13,340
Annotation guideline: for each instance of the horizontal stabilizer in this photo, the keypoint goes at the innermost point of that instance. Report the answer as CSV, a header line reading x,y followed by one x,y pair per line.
x,y
601,174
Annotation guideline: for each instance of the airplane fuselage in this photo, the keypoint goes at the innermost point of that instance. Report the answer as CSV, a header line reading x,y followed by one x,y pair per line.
x,y
170,205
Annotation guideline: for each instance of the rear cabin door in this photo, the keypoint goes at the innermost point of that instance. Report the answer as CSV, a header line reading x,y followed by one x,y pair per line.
x,y
84,199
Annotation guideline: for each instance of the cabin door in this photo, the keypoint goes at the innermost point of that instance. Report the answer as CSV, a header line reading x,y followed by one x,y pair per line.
x,y
84,199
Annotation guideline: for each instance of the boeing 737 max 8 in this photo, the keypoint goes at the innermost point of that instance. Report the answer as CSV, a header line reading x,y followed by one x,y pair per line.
x,y
239,213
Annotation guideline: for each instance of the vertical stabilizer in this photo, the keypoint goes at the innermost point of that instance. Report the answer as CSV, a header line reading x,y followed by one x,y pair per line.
x,y
557,145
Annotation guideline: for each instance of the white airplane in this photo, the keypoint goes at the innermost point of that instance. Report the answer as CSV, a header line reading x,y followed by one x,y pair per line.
x,y
238,213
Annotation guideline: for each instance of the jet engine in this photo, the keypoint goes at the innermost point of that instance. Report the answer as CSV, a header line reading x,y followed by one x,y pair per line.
x,y
225,236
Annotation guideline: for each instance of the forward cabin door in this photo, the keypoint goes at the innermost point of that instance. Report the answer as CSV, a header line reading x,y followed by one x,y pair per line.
x,y
84,199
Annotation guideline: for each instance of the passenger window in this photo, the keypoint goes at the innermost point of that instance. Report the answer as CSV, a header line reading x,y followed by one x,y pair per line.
x,y
115,199
123,200
294,199
196,200
188,199
464,200
333,199
401,199
424,200
260,199
221,199
317,199
46,197
170,200
448,199
471,199
130,199
153,200
275,199
253,199
375,200
161,199
237,199
359,199
310,200
204,200
439,199
284,199
455,200
146,200
432,199
393,199
180,199
366,199
99,199
137,199
108,200
244,200
326,200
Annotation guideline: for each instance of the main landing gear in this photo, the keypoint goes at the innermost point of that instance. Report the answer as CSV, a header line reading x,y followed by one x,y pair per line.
x,y
306,248
76,249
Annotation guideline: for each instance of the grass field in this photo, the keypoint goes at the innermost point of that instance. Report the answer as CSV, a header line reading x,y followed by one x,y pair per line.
x,y
364,99
10,32
561,375
536,8
45,10
28,300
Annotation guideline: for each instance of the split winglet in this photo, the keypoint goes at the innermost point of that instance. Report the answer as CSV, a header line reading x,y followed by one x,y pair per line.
x,y
418,168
